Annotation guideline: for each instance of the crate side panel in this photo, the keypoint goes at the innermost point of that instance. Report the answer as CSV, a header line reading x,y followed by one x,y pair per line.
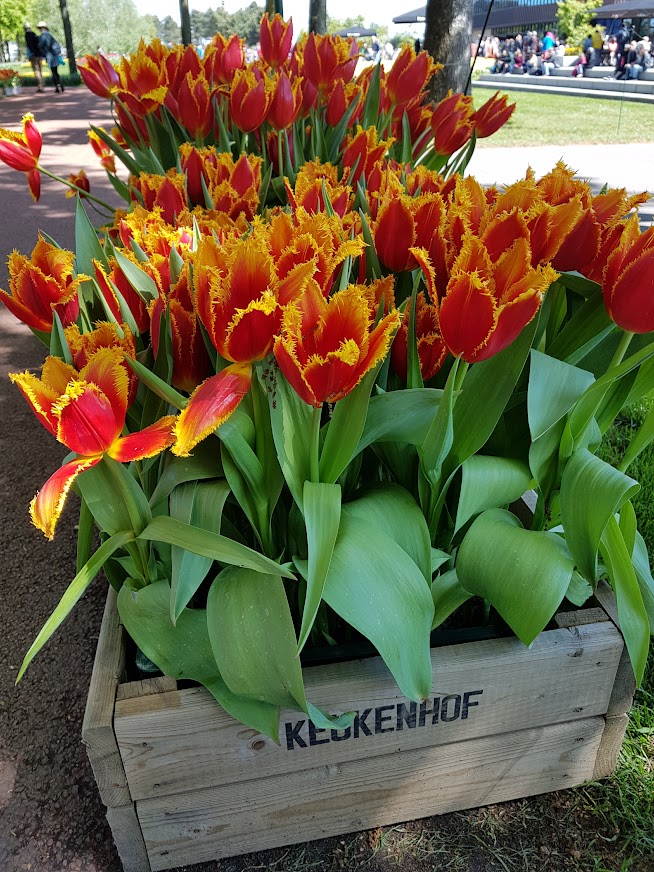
x,y
479,689
330,800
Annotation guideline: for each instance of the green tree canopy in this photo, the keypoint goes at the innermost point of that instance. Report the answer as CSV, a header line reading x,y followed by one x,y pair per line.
x,y
574,17
111,27
13,14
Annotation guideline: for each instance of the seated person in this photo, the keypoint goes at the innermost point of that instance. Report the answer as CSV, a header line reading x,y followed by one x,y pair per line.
x,y
642,61
518,65
548,63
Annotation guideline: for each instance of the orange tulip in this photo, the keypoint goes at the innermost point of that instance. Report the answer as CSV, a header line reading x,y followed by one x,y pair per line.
x,y
327,59
493,115
405,223
42,285
492,294
103,151
340,99
325,363
308,191
222,58
628,284
275,37
361,153
409,75
86,412
431,348
286,101
22,151
105,335
165,192
99,75
249,100
452,123
116,281
144,80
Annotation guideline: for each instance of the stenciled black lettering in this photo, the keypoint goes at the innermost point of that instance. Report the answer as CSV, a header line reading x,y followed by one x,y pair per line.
x,y
360,725
347,732
381,718
293,735
424,711
313,735
467,704
406,716
445,717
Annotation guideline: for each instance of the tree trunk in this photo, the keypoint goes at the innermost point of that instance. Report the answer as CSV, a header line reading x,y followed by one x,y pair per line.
x,y
448,34
185,18
317,16
68,36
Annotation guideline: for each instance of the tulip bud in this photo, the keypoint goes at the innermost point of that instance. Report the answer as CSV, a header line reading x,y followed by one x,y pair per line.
x,y
275,37
493,115
452,123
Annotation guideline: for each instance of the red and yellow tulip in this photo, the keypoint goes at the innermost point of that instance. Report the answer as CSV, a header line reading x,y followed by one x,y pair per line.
x,y
628,281
493,115
327,59
41,285
275,38
86,412
103,151
323,363
409,75
249,100
452,123
222,58
81,181
21,151
99,75
431,348
286,102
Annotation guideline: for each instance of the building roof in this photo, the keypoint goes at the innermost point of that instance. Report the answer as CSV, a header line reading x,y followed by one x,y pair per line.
x,y
415,16
628,9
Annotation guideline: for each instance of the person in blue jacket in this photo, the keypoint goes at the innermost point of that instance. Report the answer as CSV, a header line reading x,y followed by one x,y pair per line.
x,y
51,51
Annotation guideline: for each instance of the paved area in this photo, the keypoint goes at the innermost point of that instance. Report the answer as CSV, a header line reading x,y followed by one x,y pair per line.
x,y
50,816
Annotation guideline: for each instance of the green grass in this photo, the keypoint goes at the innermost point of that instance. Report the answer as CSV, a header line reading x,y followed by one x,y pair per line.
x,y
555,119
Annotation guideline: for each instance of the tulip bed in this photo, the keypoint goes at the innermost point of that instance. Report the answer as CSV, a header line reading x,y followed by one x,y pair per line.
x,y
305,370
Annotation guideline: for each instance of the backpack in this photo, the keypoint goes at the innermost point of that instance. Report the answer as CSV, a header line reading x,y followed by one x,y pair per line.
x,y
55,48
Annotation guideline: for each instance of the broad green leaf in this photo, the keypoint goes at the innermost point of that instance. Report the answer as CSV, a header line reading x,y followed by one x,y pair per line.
x,y
73,594
87,245
578,283
322,515
524,574
199,503
554,388
400,416
438,558
448,595
240,490
414,373
393,511
578,590
484,397
589,326
591,492
144,286
377,588
85,529
371,106
120,152
291,419
265,444
114,498
440,436
488,483
628,526
183,651
213,545
58,342
640,560
345,429
252,637
634,624
202,464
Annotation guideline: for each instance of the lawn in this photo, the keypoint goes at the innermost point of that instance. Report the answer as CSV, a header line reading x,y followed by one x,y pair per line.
x,y
556,119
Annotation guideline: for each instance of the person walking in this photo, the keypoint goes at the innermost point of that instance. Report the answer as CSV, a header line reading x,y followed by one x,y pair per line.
x,y
51,51
34,56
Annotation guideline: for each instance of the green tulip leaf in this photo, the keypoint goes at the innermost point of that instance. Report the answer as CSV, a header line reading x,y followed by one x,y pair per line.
x,y
488,483
448,594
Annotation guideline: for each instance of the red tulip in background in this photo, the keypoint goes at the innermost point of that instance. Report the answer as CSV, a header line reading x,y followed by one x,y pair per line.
x,y
22,151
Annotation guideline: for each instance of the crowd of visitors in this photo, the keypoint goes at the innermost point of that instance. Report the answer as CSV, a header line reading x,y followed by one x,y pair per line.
x,y
540,56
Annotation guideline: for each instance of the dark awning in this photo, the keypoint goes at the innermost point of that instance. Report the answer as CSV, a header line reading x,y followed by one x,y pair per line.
x,y
415,16
629,9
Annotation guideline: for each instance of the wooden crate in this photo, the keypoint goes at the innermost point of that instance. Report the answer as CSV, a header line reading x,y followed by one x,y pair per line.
x,y
184,782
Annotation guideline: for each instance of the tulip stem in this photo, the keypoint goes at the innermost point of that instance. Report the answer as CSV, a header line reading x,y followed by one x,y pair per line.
x,y
461,374
75,188
621,350
314,445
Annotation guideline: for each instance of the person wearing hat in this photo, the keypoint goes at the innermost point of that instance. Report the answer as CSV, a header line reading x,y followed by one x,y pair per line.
x,y
51,51
34,56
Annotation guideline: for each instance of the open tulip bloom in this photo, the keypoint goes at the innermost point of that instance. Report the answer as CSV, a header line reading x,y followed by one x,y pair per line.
x,y
305,371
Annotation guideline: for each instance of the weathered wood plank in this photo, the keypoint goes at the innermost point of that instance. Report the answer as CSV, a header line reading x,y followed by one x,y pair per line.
x,y
609,748
97,727
579,618
126,830
624,686
482,688
329,800
146,687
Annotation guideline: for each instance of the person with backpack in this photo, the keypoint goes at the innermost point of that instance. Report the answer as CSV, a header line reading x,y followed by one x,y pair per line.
x,y
51,51
34,56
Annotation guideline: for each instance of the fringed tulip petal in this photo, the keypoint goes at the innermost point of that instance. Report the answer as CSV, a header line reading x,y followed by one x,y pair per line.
x,y
210,405
630,301
468,315
48,504
107,370
146,443
85,419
